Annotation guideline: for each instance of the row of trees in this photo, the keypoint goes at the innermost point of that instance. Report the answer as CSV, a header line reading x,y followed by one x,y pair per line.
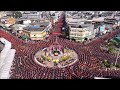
x,y
107,64
114,47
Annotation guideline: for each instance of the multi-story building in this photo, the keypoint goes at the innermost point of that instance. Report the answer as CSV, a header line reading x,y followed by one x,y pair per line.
x,y
36,14
31,14
37,31
85,32
80,28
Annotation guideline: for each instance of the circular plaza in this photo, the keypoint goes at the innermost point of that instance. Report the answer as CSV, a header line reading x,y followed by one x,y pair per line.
x,y
55,56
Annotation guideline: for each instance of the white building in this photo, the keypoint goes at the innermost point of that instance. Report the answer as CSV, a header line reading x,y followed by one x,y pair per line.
x,y
6,59
80,34
31,14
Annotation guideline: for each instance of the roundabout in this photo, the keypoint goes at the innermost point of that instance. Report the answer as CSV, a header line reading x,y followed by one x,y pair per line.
x,y
55,56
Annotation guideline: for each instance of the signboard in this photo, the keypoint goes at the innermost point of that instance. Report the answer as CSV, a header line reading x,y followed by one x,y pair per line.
x,y
102,28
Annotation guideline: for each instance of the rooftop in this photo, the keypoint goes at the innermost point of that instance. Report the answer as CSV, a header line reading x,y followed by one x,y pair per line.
x,y
34,29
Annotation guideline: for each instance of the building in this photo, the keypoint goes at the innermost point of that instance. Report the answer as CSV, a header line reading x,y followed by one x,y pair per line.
x,y
110,20
80,28
31,14
11,21
2,14
36,35
18,26
36,31
85,32
6,58
98,19
35,14
1,46
9,13
8,20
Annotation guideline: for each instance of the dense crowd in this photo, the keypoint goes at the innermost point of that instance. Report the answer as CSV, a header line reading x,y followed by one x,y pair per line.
x,y
88,66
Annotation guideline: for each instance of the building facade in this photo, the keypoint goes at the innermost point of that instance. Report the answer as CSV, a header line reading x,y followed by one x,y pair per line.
x,y
81,34
35,35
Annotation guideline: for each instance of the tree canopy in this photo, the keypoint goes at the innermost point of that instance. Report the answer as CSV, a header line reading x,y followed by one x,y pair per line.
x,y
25,37
17,14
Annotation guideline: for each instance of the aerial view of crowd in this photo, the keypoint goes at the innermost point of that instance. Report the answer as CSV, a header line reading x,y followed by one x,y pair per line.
x,y
88,66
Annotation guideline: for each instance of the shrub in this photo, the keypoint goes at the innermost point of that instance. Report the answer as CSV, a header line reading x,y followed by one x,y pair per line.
x,y
65,58
107,63
43,57
111,49
118,65
49,58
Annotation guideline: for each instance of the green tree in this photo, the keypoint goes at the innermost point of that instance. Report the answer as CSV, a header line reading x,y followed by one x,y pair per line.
x,y
16,14
118,65
25,37
107,63
115,43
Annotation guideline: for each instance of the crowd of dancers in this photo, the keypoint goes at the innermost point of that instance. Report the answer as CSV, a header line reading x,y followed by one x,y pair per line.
x,y
88,66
